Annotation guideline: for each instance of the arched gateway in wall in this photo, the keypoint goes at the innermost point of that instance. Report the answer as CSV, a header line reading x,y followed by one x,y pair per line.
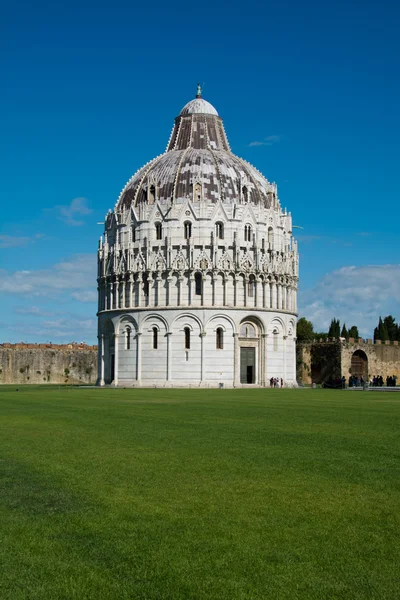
x,y
198,269
359,364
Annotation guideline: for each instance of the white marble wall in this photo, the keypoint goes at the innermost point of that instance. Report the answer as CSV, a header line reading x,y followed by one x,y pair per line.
x,y
172,364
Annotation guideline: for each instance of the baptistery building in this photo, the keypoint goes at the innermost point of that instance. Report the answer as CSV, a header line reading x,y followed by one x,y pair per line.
x,y
198,269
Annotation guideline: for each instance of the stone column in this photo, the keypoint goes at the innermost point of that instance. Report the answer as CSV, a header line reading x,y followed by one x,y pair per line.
x,y
168,290
169,333
116,293
264,339
284,357
139,282
190,289
202,336
246,288
131,290
180,279
111,306
236,372
123,303
279,296
116,355
273,294
139,357
101,361
265,287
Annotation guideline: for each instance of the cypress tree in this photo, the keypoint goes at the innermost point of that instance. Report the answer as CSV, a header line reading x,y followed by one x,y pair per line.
x,y
353,332
344,333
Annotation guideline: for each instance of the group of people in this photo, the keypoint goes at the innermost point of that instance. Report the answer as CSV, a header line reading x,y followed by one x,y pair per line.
x,y
275,382
378,381
355,381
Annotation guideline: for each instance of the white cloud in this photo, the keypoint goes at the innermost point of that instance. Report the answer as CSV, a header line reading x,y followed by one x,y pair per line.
x,y
78,274
355,295
33,311
11,241
85,296
65,329
267,141
69,213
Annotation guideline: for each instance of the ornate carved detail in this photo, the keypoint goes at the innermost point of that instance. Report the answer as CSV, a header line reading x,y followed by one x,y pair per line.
x,y
225,262
179,261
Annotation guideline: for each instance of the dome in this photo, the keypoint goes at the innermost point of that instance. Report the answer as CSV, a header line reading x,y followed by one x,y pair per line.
x,y
198,165
198,106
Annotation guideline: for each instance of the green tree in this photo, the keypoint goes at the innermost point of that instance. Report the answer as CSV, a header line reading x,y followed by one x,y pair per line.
x,y
305,330
334,329
392,328
344,333
381,332
353,332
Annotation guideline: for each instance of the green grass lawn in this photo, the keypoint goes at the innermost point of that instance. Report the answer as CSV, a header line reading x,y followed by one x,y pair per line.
x,y
180,495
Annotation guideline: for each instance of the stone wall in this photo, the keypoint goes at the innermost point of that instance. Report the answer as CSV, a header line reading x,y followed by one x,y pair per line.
x,y
317,361
46,363
383,358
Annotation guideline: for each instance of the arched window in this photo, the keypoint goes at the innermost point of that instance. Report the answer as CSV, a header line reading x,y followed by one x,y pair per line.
x,y
275,338
247,330
245,194
198,282
158,231
247,233
134,234
197,192
250,288
219,338
128,333
270,237
152,194
219,230
188,229
187,338
155,338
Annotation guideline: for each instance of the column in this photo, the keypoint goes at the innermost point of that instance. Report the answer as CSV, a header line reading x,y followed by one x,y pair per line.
x,y
123,303
169,333
264,339
131,284
116,293
236,372
202,336
168,290
265,287
284,358
257,293
246,288
190,289
180,279
139,282
279,296
116,353
273,294
101,354
150,281
235,290
139,356
111,295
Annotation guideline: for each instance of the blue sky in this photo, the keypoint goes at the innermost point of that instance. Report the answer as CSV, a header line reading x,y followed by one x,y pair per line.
x,y
309,94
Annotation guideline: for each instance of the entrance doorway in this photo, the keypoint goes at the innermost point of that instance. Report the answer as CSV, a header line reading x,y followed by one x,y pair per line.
x,y
359,365
247,365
